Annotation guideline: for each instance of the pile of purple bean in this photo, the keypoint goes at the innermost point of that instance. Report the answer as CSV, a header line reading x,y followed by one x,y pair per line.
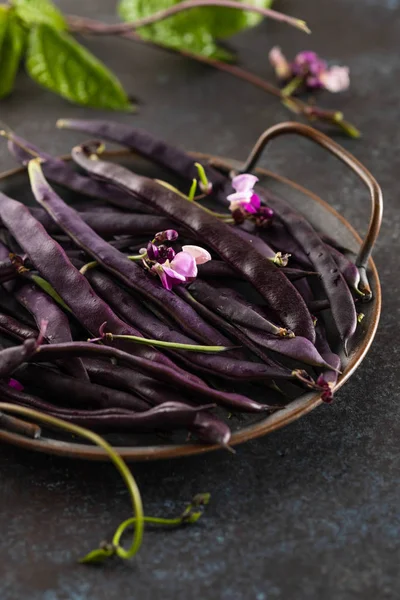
x,y
269,314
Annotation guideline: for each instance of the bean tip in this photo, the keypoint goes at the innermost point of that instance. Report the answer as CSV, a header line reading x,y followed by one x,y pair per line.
x,y
229,448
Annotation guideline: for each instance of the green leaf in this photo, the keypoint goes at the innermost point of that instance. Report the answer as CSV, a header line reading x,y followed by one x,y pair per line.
x,y
4,14
12,38
57,62
34,12
194,30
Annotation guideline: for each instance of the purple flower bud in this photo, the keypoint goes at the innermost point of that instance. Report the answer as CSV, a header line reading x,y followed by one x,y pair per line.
x,y
170,254
264,216
266,212
164,253
169,235
152,252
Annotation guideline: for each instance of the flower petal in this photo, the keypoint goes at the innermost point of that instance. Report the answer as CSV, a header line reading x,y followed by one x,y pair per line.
x,y
199,254
169,277
184,264
240,197
279,62
244,182
255,202
167,235
336,79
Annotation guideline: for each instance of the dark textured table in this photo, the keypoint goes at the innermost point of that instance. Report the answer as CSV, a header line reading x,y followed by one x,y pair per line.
x,y
312,511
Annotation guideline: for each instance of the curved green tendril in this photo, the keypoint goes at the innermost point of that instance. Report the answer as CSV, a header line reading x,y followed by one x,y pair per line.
x,y
107,550
190,515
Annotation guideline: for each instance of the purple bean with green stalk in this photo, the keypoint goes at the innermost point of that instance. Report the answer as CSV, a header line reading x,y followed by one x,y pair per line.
x,y
72,286
227,303
141,394
278,258
278,236
182,164
217,269
245,316
145,144
62,173
135,313
336,289
159,371
92,312
277,291
281,238
233,332
209,428
117,263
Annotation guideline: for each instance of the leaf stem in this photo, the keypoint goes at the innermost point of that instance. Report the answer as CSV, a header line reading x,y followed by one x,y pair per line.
x,y
120,28
114,457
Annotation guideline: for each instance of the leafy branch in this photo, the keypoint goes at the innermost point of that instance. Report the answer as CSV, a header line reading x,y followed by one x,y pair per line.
x,y
38,31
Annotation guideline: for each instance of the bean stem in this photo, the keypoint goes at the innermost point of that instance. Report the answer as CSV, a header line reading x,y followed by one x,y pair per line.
x,y
161,344
310,112
121,28
222,216
114,457
46,287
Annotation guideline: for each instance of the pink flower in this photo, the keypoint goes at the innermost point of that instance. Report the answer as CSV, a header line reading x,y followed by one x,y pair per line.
x,y
336,79
311,71
281,66
183,267
308,63
169,235
245,197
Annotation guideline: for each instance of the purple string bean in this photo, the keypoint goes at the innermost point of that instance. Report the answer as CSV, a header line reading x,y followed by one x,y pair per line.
x,y
135,313
153,368
15,329
58,330
64,174
114,261
277,291
50,259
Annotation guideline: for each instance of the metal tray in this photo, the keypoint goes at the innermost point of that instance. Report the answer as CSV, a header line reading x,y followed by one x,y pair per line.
x,y
321,215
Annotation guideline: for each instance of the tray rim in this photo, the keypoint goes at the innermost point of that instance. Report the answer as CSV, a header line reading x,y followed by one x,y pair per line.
x,y
296,409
